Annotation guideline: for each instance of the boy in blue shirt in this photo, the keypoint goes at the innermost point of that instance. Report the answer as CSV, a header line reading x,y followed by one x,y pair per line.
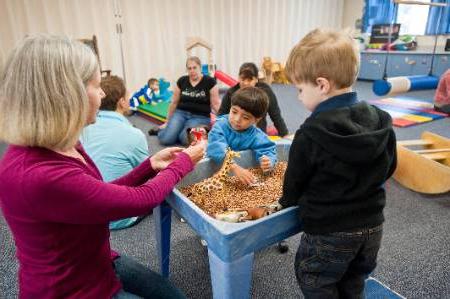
x,y
339,160
237,130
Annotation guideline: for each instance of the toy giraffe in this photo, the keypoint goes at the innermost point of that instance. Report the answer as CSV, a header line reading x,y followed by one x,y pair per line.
x,y
216,181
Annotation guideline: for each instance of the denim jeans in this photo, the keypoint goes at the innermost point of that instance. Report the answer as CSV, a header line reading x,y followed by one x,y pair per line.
x,y
139,281
335,265
178,124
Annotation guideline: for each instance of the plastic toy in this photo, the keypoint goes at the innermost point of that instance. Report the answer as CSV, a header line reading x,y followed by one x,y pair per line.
x,y
396,85
210,67
197,133
146,96
228,80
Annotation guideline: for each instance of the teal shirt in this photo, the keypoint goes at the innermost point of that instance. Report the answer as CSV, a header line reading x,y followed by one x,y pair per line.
x,y
114,144
116,147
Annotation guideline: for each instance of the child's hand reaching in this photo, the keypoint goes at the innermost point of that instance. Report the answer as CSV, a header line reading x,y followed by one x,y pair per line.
x,y
265,163
244,175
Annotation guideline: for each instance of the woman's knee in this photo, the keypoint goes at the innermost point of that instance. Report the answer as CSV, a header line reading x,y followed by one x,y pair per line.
x,y
168,136
164,140
182,137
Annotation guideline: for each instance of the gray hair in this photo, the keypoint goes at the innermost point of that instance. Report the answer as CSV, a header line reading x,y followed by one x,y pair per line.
x,y
194,59
43,92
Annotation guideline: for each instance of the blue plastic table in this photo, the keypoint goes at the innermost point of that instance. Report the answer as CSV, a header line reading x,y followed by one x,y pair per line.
x,y
231,246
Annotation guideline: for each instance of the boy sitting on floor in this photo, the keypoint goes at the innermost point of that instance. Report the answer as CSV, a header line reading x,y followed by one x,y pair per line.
x,y
237,130
115,146
338,164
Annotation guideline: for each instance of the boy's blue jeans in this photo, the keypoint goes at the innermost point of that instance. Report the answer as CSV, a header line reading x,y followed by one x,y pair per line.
x,y
335,265
139,281
176,127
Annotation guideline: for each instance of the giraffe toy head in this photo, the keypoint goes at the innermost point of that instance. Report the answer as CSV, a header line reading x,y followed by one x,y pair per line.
x,y
229,156
216,181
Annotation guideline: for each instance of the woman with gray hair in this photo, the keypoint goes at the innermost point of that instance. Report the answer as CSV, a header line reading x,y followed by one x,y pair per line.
x,y
51,193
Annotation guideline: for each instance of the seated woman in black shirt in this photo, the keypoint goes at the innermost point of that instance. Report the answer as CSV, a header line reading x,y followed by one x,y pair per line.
x,y
194,97
248,76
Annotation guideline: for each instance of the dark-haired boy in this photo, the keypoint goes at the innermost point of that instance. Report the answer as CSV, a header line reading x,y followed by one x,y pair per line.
x,y
237,130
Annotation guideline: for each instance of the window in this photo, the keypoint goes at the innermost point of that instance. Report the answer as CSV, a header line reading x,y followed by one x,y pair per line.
x,y
413,18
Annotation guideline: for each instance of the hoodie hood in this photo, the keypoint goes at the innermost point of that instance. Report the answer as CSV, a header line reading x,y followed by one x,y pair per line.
x,y
355,134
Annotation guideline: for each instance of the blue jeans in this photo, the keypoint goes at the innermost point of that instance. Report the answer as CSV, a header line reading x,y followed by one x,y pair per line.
x,y
335,265
178,124
139,281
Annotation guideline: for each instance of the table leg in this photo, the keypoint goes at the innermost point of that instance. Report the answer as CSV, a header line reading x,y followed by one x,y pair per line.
x,y
163,217
231,279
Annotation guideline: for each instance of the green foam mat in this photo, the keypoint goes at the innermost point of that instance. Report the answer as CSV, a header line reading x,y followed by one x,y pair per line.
x,y
160,109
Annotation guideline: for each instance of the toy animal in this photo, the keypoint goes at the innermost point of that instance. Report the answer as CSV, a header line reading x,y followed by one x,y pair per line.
x,y
197,133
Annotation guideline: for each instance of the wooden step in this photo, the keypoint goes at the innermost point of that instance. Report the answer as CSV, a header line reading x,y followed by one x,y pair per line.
x,y
415,142
430,151
435,156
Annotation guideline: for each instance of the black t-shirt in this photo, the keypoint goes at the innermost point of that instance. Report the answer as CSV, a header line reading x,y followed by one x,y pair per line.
x,y
195,99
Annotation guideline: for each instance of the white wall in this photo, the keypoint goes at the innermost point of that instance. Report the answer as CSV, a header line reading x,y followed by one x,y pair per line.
x,y
155,31
77,19
353,10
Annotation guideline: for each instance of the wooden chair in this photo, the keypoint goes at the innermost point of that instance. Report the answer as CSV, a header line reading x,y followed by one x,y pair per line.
x,y
92,43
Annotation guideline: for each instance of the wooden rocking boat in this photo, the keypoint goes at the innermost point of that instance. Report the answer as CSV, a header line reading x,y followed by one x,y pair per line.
x,y
424,164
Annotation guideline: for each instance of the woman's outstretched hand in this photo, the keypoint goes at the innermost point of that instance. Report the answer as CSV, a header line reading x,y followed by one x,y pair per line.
x,y
164,157
196,150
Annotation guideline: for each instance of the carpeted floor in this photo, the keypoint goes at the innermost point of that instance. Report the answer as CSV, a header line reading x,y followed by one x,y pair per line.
x,y
414,259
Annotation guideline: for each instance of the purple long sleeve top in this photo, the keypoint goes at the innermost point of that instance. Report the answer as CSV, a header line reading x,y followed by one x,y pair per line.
x,y
58,210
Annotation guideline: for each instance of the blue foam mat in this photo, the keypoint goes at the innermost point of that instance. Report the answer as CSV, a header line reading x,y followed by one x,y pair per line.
x,y
376,290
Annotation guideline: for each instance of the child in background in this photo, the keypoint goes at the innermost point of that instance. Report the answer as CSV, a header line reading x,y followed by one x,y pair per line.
x,y
442,96
147,94
237,130
339,161
248,76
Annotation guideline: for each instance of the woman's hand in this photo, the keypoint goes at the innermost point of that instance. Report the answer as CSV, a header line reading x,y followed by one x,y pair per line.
x,y
196,150
163,158
265,163
244,175
163,126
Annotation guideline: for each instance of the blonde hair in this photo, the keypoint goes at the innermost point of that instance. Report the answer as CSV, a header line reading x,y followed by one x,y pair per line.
x,y
329,54
43,92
